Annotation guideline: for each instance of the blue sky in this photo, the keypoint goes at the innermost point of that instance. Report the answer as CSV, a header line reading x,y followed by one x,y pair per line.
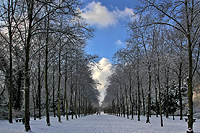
x,y
108,18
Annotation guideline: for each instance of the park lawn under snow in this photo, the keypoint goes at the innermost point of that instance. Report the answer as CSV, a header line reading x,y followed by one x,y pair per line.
x,y
101,124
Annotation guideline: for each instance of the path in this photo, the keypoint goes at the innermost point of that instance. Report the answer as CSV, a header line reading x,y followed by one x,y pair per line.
x,y
101,124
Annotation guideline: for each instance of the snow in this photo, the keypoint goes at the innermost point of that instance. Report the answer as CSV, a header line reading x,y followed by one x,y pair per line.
x,y
101,124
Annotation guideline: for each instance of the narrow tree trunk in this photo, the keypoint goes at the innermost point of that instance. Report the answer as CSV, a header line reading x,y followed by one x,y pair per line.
x,y
136,103
26,79
39,87
65,97
71,102
156,89
190,71
34,105
59,80
46,86
124,109
158,78
167,109
130,96
10,51
143,102
79,103
127,113
139,102
75,107
54,111
149,96
179,88
46,72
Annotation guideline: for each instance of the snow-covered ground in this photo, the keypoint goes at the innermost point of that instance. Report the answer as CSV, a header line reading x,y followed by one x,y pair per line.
x,y
101,124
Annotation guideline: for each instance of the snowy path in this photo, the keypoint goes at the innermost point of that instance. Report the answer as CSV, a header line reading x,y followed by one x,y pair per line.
x,y
101,124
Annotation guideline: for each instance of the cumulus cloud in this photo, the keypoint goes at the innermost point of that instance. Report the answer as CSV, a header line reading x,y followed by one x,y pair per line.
x,y
101,75
99,15
118,42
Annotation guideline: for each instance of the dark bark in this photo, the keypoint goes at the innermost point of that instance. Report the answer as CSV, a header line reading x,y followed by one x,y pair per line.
x,y
190,71
59,81
149,97
10,52
139,102
30,6
65,96
39,87
143,102
179,88
54,110
46,71
167,108
160,108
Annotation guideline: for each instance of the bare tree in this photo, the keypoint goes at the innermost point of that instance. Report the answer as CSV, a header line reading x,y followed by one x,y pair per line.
x,y
169,14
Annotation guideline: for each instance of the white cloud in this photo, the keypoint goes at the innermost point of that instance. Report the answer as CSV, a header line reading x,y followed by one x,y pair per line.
x,y
99,15
118,42
101,75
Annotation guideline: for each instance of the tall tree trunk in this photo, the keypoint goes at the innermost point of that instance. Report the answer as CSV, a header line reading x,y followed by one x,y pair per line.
x,y
136,103
39,87
156,90
10,52
127,109
143,101
139,102
167,109
46,87
160,108
190,71
130,96
30,6
124,109
190,90
34,105
71,102
149,96
79,103
59,81
75,98
65,96
46,71
179,88
54,110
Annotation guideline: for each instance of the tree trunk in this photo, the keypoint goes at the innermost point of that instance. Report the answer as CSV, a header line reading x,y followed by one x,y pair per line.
x,y
130,96
160,108
136,103
10,52
65,96
79,103
46,87
167,109
143,102
34,105
27,50
54,111
59,80
179,88
190,72
75,107
46,71
39,87
190,90
139,102
149,96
